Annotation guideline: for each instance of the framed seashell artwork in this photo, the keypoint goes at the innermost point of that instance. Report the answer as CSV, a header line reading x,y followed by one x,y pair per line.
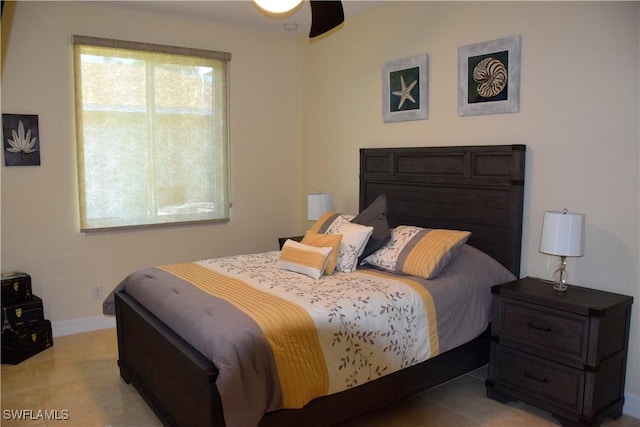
x,y
489,77
405,88
21,140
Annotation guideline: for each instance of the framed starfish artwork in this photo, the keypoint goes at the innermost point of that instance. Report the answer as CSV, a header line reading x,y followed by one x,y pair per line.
x,y
21,140
489,77
405,89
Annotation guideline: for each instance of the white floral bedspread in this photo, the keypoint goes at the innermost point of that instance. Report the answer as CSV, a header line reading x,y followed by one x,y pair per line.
x,y
368,325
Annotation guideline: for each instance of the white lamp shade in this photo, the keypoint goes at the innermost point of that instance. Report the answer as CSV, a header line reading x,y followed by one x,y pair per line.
x,y
562,233
277,6
317,204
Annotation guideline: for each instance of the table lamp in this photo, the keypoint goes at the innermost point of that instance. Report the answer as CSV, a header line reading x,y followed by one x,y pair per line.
x,y
562,235
318,204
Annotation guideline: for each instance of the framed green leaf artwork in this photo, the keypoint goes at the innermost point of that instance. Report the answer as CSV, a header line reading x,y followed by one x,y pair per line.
x,y
405,89
489,77
21,140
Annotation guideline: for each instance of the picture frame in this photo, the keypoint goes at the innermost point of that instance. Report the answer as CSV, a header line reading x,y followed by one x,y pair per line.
x,y
21,140
489,77
405,89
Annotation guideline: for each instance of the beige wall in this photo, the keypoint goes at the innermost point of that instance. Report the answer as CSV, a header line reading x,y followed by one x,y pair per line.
x,y
40,226
578,116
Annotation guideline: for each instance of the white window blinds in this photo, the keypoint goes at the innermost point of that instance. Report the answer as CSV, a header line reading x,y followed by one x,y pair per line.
x,y
152,134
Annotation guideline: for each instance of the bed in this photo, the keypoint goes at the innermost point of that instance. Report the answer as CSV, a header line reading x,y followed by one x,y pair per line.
x,y
474,188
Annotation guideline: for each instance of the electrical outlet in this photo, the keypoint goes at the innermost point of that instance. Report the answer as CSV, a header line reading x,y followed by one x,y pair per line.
x,y
96,292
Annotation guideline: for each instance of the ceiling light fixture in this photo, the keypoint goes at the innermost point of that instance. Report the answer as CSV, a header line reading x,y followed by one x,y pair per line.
x,y
325,14
278,6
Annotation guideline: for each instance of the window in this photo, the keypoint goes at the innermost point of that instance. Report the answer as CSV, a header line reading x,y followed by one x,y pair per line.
x,y
152,134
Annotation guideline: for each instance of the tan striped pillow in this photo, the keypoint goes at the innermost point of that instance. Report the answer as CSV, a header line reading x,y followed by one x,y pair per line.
x,y
323,223
305,259
325,240
417,251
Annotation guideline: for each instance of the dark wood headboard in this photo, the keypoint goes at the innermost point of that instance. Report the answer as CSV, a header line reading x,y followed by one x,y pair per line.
x,y
474,188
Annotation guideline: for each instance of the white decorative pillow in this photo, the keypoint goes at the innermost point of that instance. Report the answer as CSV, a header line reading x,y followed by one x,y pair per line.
x,y
305,259
417,251
354,240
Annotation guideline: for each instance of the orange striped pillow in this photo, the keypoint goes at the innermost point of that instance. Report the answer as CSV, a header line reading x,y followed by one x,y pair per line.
x,y
323,222
325,240
305,259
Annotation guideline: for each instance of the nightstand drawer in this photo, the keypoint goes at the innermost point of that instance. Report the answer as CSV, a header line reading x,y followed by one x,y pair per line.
x,y
545,328
551,382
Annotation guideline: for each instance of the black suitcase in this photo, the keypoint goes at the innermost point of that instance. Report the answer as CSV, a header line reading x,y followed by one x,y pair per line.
x,y
22,314
21,344
16,286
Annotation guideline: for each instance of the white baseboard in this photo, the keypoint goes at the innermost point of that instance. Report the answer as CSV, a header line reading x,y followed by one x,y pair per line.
x,y
85,324
631,405
94,323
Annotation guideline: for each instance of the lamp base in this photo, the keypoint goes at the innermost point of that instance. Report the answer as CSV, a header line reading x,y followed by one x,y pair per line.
x,y
560,287
561,276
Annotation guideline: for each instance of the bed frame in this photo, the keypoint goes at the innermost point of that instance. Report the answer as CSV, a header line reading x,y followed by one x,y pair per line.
x,y
475,188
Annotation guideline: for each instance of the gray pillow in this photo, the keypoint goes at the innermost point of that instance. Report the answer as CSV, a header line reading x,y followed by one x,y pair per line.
x,y
375,215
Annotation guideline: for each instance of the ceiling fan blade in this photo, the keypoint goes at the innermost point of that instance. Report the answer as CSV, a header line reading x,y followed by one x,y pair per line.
x,y
325,16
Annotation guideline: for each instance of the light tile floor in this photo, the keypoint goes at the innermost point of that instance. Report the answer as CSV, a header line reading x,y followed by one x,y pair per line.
x,y
79,375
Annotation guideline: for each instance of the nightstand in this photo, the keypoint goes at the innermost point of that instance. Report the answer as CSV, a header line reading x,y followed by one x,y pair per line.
x,y
281,240
564,352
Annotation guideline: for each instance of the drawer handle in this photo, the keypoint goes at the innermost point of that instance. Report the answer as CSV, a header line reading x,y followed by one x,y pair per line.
x,y
535,378
538,327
